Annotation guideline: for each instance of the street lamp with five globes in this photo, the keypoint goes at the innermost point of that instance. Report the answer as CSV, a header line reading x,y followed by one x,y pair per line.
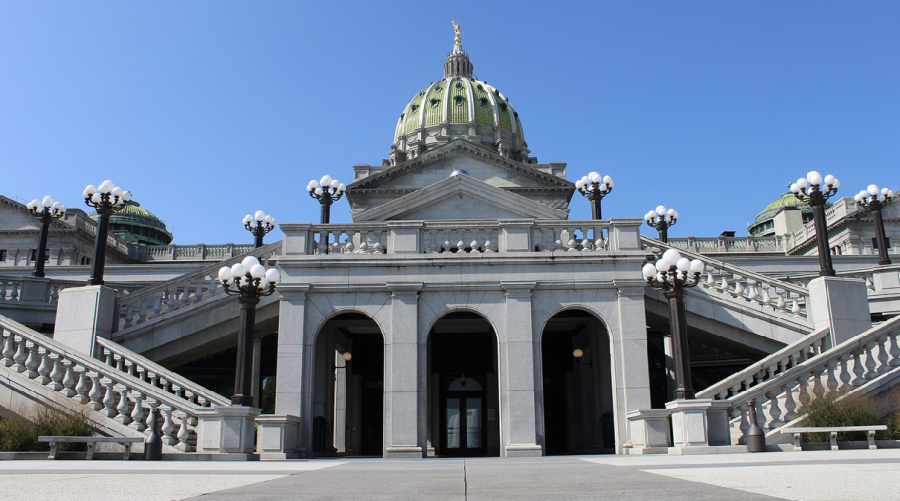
x,y
874,199
46,210
262,225
809,190
594,187
106,199
662,220
327,191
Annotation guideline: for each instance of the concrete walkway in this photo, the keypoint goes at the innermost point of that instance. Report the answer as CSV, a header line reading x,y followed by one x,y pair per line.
x,y
807,476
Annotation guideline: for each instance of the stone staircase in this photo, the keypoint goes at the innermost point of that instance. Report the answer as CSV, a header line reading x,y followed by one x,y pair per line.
x,y
117,395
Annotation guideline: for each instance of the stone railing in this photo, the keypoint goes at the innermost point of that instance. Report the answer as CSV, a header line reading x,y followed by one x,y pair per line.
x,y
169,296
479,237
129,362
198,252
841,209
89,225
744,286
88,381
783,396
725,245
11,288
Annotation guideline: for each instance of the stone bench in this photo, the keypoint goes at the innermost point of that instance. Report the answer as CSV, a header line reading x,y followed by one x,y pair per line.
x,y
833,431
90,441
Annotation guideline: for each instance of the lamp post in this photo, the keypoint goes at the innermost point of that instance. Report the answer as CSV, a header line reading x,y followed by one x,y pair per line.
x,y
46,210
662,220
673,274
874,199
808,190
594,187
106,199
250,280
259,229
327,191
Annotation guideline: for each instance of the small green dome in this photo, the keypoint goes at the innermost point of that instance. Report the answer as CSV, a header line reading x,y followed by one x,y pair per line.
x,y
136,224
763,224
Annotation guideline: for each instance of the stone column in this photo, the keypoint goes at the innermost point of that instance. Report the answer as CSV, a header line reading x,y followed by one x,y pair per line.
x,y
292,381
631,383
841,304
518,425
83,315
405,404
255,368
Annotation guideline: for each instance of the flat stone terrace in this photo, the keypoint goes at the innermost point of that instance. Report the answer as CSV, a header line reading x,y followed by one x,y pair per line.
x,y
810,476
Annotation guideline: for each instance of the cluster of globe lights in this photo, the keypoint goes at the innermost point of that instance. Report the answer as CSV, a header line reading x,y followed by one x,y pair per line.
x,y
47,204
107,191
326,186
672,269
260,217
249,275
873,196
659,215
813,181
594,181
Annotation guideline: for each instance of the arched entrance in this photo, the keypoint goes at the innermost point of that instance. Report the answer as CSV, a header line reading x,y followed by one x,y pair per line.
x,y
579,416
463,389
348,391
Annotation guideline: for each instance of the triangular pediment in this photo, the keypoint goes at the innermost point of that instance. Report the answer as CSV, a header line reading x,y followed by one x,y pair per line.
x,y
460,197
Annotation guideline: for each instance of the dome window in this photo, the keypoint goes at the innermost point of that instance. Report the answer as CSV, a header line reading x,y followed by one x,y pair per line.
x,y
438,88
459,100
480,87
459,85
483,101
503,107
413,109
435,102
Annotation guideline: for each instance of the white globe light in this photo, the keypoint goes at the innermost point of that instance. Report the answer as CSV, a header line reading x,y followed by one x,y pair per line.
x,y
249,262
885,191
335,183
652,214
318,191
57,206
259,215
225,274
342,187
607,180
269,219
661,210
579,184
596,178
672,256
836,184
325,181
814,178
592,187
829,180
660,278
62,209
247,219
90,189
683,264
314,184
671,212
34,204
802,183
675,216
611,183
238,270
591,175
795,188
273,276
872,190
106,186
126,196
585,179
858,198
117,191
96,198
648,271
604,187
47,201
697,266
258,271
662,265
274,222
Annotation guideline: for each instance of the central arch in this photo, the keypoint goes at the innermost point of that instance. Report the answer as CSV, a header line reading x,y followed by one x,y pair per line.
x,y
463,387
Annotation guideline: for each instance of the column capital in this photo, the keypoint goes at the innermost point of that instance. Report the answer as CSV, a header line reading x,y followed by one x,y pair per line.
x,y
293,292
404,290
518,289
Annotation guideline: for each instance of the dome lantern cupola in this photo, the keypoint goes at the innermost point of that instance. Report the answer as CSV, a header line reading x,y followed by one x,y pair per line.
x,y
458,64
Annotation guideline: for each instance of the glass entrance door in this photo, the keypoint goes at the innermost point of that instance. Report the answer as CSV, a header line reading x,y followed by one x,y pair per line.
x,y
463,423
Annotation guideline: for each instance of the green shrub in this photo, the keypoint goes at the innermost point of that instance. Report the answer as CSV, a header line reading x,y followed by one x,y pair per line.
x,y
828,411
20,435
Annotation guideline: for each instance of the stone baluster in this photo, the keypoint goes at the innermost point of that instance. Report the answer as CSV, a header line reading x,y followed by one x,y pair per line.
x,y
33,362
790,405
168,426
571,241
109,400
82,388
157,302
14,293
894,349
845,376
120,363
141,305
558,235
745,423
124,406
336,245
795,309
70,380
831,381
137,414
488,244
460,241
21,356
883,357
858,369
57,374
774,418
818,389
781,304
363,242
871,373
183,436
429,241
8,351
752,293
803,393
738,290
96,394
710,281
378,247
723,285
349,246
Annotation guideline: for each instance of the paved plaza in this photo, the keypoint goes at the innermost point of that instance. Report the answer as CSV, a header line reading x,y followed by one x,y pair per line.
x,y
807,476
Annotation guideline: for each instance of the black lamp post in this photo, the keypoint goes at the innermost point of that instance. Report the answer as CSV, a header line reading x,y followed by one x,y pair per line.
x,y
673,274
662,220
106,199
874,200
46,210
594,187
250,280
263,224
808,190
327,191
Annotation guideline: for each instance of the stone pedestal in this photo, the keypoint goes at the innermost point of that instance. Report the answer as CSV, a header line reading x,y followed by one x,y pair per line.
x,y
35,290
840,304
83,315
886,280
690,425
278,437
226,430
650,431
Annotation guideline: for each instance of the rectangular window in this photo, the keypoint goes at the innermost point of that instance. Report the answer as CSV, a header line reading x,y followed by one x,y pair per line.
x,y
875,243
46,255
2,254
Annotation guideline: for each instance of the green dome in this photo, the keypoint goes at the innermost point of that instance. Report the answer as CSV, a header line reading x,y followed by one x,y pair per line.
x,y
763,224
459,106
136,224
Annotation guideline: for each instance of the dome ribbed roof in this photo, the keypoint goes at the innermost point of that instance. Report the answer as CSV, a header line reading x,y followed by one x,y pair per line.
x,y
762,224
137,224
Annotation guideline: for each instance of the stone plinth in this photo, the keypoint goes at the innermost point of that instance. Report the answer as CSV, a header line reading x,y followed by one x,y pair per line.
x,y
278,437
650,431
689,423
886,280
226,430
840,304
35,290
83,315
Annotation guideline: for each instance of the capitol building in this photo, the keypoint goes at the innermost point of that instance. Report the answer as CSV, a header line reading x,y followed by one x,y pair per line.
x,y
460,313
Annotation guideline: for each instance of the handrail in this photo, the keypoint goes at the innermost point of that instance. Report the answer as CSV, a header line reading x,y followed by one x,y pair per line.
x,y
171,376
763,365
728,267
206,270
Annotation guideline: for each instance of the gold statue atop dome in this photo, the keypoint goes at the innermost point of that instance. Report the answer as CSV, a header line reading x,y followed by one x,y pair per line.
x,y
456,29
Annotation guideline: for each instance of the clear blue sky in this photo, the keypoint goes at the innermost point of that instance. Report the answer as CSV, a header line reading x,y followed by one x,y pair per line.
x,y
211,110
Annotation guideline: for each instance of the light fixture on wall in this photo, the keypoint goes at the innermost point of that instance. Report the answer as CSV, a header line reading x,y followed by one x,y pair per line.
x,y
346,356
